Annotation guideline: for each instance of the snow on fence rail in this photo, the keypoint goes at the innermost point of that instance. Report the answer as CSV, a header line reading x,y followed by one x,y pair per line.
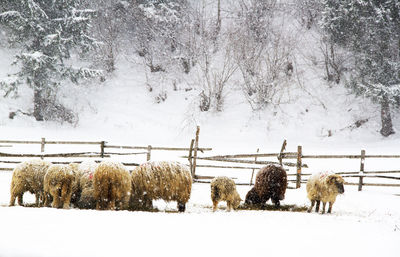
x,y
300,176
102,153
236,161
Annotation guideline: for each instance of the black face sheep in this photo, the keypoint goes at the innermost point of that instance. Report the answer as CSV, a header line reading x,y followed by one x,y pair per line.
x,y
58,185
271,182
28,176
224,189
111,186
324,186
170,181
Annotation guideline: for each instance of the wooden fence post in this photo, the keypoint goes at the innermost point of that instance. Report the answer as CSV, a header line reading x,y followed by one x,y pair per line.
x,y
102,143
148,152
281,152
252,173
360,181
299,164
190,156
42,144
196,146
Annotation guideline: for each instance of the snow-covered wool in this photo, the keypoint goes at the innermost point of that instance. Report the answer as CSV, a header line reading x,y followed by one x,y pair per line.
x,y
86,191
58,185
271,182
111,186
75,185
224,189
324,186
28,176
170,181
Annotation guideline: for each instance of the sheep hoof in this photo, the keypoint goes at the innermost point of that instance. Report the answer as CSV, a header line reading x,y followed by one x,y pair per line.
x,y
181,207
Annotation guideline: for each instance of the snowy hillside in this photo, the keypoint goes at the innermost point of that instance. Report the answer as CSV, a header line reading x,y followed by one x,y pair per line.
x,y
311,111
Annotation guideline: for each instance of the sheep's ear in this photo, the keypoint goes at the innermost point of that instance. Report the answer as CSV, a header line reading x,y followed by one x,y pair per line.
x,y
331,179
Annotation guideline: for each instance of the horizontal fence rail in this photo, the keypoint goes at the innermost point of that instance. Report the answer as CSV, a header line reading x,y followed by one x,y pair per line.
x,y
251,162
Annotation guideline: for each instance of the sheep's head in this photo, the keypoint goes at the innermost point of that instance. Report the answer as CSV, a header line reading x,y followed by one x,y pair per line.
x,y
252,197
236,200
337,181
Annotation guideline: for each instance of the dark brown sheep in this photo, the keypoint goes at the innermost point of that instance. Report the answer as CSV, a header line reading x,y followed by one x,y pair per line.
x,y
271,182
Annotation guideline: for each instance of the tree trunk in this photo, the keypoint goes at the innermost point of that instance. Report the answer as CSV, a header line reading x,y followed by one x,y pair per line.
x,y
38,104
387,126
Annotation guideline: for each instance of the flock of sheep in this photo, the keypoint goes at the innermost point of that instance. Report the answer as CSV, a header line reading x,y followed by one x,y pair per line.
x,y
109,185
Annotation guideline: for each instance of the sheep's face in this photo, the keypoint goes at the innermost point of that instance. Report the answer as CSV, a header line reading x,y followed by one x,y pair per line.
x,y
338,182
236,201
252,197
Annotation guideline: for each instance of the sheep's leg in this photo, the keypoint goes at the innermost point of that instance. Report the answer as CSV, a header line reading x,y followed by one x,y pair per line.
x,y
323,207
312,206
229,205
66,195
276,203
98,207
147,202
12,199
20,199
181,207
67,201
215,204
56,201
330,207
55,193
46,200
37,196
317,206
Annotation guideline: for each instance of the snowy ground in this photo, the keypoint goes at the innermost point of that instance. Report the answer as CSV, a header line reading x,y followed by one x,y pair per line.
x,y
363,223
122,111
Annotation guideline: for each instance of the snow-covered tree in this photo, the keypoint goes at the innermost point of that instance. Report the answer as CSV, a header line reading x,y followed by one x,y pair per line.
x,y
370,29
47,32
160,32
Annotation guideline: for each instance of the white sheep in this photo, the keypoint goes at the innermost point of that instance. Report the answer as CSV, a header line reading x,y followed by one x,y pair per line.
x,y
58,185
170,181
324,186
28,176
111,186
86,190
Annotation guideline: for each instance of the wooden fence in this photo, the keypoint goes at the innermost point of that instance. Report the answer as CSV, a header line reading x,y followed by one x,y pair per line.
x,y
252,161
105,150
297,176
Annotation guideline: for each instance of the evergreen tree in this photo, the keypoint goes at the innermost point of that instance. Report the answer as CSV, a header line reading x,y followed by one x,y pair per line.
x,y
371,30
47,32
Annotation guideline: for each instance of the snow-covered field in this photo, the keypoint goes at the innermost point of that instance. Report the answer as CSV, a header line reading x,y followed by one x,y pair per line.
x,y
363,223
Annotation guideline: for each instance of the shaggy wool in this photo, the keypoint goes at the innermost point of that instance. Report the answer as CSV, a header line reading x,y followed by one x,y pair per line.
x,y
111,186
271,182
170,181
28,177
224,189
58,185
324,186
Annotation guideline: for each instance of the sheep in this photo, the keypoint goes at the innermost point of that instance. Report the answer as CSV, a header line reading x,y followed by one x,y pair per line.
x,y
111,186
75,184
224,189
58,185
271,182
28,176
85,180
170,181
324,186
